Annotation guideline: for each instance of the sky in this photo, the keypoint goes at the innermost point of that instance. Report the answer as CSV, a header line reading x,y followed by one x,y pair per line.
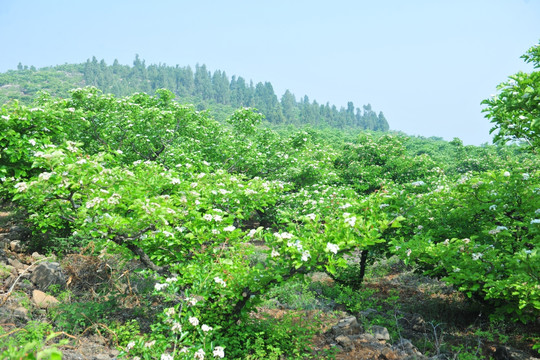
x,y
426,64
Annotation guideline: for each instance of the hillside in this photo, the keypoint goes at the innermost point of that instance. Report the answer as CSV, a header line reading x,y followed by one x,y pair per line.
x,y
207,90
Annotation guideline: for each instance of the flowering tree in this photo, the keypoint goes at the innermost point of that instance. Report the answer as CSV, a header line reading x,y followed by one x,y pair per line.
x,y
480,233
515,110
141,176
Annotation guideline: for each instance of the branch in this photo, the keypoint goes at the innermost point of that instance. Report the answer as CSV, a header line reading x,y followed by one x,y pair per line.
x,y
124,240
247,293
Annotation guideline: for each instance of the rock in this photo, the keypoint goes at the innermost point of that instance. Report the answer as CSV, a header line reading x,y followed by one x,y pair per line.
x,y
367,312
48,273
37,256
345,342
347,326
20,312
16,264
102,357
42,300
16,246
408,348
367,338
380,333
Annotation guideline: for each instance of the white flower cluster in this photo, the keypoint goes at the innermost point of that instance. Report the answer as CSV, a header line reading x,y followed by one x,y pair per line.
x,y
283,235
21,187
210,217
476,256
311,216
220,281
351,221
332,248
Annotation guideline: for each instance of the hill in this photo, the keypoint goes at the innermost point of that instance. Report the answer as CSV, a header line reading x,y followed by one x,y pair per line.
x,y
207,90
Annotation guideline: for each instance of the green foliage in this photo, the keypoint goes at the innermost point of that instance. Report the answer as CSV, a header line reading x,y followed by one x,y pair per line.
x,y
371,163
30,343
77,316
23,132
515,110
269,337
482,235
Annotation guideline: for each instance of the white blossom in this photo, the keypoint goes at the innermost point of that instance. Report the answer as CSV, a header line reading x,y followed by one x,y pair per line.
x,y
21,187
193,321
170,312
332,248
206,328
191,301
286,235
526,176
176,327
32,142
229,228
506,174
167,357
535,221
274,253
311,216
306,255
220,281
159,286
351,221
219,352
45,176
207,217
199,354
175,181
476,256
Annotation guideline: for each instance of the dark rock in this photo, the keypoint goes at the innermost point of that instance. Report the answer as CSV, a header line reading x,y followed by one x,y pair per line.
x,y
366,313
47,274
346,326
345,342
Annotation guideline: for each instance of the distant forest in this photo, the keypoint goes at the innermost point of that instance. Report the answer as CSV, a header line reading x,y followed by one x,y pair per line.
x,y
206,90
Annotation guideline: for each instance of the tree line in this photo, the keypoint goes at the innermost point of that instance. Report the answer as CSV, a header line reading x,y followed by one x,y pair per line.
x,y
206,89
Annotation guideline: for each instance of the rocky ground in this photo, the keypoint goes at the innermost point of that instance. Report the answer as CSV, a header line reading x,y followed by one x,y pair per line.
x,y
26,280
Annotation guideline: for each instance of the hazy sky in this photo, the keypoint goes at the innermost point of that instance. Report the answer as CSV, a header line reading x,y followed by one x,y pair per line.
x,y
426,64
